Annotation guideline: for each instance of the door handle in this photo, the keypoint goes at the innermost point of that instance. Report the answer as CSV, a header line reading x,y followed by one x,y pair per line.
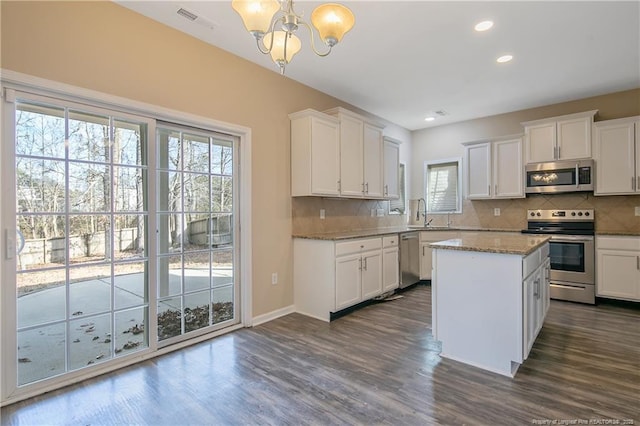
x,y
365,264
423,250
495,189
489,188
638,262
366,185
558,152
339,186
633,183
360,268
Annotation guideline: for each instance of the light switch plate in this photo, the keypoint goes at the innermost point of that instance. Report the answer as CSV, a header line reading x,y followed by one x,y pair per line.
x,y
380,212
496,211
321,213
637,209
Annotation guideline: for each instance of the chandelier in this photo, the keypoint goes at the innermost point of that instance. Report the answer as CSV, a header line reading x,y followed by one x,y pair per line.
x,y
261,17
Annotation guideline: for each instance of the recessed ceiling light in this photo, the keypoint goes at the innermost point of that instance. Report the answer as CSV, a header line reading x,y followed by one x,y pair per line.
x,y
429,118
504,58
483,26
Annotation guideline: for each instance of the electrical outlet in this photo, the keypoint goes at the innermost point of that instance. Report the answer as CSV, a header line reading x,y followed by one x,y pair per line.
x,y
496,211
637,209
274,278
321,213
380,212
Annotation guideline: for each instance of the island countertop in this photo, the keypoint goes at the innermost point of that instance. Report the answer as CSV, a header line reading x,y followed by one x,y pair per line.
x,y
494,242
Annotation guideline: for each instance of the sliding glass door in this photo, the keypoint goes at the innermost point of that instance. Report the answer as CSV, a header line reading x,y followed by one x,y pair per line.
x,y
125,232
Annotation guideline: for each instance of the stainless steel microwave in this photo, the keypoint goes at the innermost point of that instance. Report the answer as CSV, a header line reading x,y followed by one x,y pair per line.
x,y
559,176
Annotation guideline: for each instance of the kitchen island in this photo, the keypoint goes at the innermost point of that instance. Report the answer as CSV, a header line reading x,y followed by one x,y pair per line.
x,y
490,294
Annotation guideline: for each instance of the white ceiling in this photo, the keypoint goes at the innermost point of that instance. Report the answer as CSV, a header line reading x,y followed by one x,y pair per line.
x,y
405,59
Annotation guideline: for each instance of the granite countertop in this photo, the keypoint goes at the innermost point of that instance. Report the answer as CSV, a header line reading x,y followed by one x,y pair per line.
x,y
494,242
363,233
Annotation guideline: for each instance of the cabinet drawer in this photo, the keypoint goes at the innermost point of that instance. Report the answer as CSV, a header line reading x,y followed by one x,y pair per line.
x,y
390,241
530,263
357,246
618,243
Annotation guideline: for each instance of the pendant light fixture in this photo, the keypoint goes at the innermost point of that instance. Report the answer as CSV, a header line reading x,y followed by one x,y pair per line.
x,y
260,18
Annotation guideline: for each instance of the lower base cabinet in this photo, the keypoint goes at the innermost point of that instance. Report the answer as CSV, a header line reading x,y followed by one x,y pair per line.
x,y
329,276
426,252
618,266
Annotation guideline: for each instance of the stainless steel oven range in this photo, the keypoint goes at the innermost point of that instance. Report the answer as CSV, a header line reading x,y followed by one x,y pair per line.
x,y
571,249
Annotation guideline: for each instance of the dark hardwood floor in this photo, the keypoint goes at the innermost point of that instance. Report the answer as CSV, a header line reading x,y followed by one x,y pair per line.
x,y
377,365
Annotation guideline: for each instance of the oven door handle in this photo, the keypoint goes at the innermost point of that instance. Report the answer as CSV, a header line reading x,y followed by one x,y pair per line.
x,y
572,238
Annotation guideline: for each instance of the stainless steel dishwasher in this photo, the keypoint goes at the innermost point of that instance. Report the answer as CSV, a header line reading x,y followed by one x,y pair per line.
x,y
409,258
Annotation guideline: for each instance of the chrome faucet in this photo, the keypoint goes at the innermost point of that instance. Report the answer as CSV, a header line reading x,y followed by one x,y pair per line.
x,y
424,212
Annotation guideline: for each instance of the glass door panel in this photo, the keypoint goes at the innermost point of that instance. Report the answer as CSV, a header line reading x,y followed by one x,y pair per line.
x,y
81,209
196,283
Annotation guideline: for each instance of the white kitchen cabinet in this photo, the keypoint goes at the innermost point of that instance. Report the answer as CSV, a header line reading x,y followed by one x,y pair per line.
x,y
361,155
479,171
315,154
426,238
390,263
329,276
391,175
618,266
616,152
479,295
495,169
373,161
536,302
567,137
371,276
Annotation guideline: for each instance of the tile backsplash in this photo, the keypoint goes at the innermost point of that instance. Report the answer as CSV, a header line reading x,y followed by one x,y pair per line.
x,y
612,213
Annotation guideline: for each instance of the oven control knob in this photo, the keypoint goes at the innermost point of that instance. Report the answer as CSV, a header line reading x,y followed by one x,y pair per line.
x,y
586,213
532,214
538,214
579,213
573,213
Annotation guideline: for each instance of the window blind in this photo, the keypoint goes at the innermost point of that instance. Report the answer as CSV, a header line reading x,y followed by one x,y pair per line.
x,y
442,187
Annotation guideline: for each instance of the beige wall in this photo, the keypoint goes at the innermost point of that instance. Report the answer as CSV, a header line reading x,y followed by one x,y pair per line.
x,y
105,47
612,213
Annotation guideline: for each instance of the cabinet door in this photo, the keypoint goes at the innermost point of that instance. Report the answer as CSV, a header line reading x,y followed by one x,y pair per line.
x,y
508,181
615,155
540,142
371,274
528,314
426,262
618,274
351,157
391,161
574,138
479,171
372,158
325,157
348,271
390,269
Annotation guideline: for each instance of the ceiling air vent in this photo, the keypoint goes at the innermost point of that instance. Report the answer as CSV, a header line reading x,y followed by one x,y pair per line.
x,y
185,13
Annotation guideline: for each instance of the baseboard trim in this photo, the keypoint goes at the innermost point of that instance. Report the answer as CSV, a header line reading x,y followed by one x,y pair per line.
x,y
269,316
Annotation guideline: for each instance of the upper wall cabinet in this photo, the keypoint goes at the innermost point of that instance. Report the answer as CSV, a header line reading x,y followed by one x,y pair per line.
x,y
361,155
315,154
567,137
616,152
494,169
391,176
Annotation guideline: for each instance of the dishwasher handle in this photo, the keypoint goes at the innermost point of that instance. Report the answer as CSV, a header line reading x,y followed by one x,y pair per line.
x,y
409,237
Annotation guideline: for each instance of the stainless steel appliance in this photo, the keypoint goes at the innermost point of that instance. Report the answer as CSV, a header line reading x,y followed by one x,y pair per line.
x,y
571,250
409,259
559,176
